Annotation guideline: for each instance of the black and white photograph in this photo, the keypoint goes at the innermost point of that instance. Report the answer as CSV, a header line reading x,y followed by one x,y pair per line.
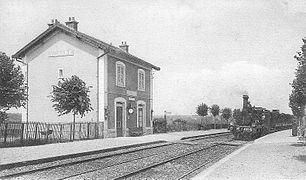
x,y
153,89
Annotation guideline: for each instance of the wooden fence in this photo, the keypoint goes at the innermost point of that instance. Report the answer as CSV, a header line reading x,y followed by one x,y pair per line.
x,y
32,133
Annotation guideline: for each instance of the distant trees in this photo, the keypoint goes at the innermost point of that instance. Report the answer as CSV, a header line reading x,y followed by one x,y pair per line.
x,y
12,88
202,109
215,109
227,113
237,115
71,95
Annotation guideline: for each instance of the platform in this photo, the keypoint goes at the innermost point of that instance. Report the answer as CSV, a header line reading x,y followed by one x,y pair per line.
x,y
30,153
275,156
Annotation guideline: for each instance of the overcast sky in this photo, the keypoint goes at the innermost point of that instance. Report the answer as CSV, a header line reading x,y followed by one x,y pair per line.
x,y
209,51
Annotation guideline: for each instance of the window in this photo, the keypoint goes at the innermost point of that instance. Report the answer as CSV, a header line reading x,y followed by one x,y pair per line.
x,y
120,74
60,73
141,80
140,116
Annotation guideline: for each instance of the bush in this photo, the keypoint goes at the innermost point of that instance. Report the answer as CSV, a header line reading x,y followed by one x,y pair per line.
x,y
136,131
178,125
159,125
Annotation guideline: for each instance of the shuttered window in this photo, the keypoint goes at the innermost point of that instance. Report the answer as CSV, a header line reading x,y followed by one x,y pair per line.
x,y
141,80
120,74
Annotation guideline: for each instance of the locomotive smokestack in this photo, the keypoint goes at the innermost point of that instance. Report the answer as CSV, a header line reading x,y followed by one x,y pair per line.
x,y
245,102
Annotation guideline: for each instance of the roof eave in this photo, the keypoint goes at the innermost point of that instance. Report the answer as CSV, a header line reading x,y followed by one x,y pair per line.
x,y
156,68
22,51
88,39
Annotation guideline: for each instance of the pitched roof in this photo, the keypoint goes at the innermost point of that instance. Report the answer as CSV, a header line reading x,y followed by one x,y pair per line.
x,y
87,39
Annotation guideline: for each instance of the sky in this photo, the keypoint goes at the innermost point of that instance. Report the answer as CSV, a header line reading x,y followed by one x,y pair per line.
x,y
209,51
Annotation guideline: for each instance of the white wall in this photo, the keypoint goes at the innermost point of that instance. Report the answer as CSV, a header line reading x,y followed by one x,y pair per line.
x,y
43,72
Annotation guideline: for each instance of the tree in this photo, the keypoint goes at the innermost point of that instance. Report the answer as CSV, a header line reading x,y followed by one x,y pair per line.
x,y
296,103
202,110
237,115
226,113
71,95
3,116
297,98
12,88
215,109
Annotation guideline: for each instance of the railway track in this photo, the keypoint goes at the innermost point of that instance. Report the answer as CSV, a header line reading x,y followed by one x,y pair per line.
x,y
98,166
157,170
130,174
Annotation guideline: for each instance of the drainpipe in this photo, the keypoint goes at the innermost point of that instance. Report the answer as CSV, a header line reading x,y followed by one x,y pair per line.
x,y
98,58
27,106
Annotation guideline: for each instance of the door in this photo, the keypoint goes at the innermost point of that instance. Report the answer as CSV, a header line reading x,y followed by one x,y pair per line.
x,y
140,116
119,118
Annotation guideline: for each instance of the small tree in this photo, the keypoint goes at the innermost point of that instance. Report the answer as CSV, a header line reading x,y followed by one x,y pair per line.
x,y
226,113
12,88
215,109
202,110
71,95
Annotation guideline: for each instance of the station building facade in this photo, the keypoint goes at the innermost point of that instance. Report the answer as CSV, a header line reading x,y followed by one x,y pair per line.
x,y
121,84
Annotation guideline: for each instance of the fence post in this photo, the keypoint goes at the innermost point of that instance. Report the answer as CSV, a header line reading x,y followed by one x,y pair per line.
x,y
5,133
80,131
61,132
21,137
47,134
87,130
96,131
36,127
71,132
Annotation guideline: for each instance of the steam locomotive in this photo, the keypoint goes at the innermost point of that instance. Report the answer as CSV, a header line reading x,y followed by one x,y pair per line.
x,y
255,122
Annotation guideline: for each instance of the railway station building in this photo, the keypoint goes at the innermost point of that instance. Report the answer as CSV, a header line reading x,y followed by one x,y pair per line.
x,y
121,84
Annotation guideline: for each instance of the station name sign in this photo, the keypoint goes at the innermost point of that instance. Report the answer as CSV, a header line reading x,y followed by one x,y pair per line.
x,y
61,53
131,93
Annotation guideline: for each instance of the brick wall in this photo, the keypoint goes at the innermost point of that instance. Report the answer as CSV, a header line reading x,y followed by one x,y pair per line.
x,y
131,85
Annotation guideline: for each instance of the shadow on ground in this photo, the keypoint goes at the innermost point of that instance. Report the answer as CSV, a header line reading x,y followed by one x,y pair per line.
x,y
301,158
299,144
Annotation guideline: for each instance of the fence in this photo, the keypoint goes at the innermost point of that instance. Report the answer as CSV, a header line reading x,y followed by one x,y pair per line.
x,y
20,134
162,126
194,126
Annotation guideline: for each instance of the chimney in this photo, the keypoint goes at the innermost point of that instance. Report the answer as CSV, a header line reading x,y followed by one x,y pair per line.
x,y
245,102
124,46
53,21
72,23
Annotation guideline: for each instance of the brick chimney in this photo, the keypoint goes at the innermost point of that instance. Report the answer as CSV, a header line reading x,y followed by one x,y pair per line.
x,y
124,46
72,23
53,21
